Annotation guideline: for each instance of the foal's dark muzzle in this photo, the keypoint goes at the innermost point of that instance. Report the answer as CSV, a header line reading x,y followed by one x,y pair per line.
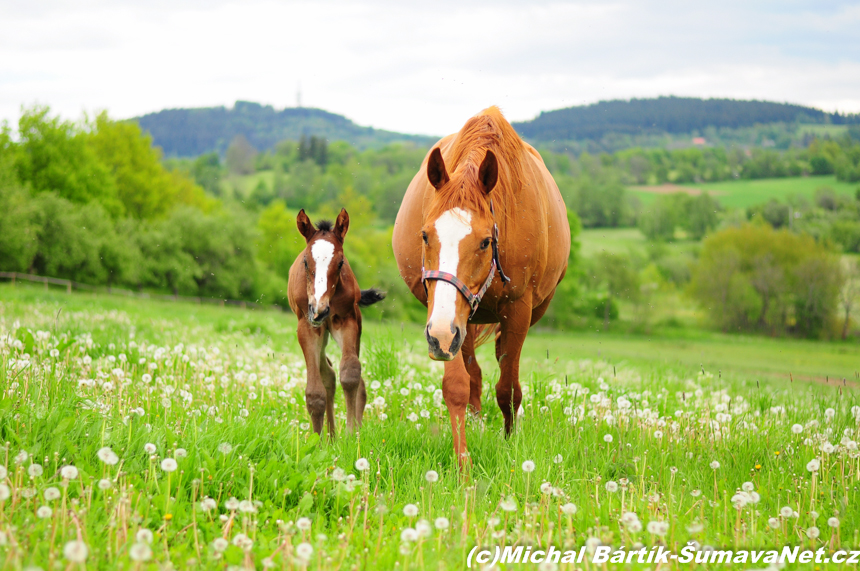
x,y
316,318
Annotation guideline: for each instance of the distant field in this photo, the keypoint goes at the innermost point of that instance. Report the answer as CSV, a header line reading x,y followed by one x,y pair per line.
x,y
624,241
744,193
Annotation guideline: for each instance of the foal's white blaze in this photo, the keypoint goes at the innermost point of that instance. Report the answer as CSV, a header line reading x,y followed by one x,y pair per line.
x,y
451,227
323,252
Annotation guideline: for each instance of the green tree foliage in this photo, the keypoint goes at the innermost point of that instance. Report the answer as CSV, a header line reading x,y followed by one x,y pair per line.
x,y
755,278
240,156
145,188
54,156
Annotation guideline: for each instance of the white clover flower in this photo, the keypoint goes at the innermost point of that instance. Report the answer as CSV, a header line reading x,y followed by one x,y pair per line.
x,y
442,523
431,476
304,551
52,493
611,486
69,472
144,535
528,466
362,464
410,510
140,552
44,512
149,448
169,465
76,551
813,465
303,523
220,545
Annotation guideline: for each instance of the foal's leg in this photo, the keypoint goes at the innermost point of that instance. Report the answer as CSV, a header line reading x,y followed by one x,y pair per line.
x,y
456,391
329,381
471,362
348,336
515,325
313,344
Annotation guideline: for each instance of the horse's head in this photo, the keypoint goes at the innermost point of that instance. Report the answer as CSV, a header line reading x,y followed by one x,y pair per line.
x,y
458,244
323,259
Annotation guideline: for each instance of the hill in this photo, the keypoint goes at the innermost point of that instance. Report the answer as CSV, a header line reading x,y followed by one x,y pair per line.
x,y
673,115
192,132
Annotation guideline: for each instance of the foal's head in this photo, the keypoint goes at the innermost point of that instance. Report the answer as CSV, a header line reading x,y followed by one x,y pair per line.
x,y
457,236
323,260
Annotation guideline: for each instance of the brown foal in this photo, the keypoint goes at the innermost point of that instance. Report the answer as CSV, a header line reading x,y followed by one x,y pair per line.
x,y
324,295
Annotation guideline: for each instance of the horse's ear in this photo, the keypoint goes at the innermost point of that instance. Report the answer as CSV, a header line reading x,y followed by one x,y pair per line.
x,y
342,224
436,172
488,173
305,226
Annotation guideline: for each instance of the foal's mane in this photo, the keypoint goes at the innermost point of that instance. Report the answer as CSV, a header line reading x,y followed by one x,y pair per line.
x,y
324,226
486,131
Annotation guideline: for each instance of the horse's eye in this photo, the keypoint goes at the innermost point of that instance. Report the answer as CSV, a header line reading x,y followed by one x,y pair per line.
x,y
485,244
424,236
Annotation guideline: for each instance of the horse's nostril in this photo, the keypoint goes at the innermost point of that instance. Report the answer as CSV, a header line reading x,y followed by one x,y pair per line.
x,y
458,339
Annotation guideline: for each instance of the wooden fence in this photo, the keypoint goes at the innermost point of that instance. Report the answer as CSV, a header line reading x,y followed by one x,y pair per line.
x,y
70,285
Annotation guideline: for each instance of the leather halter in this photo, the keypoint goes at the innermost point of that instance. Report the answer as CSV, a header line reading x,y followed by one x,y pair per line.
x,y
473,299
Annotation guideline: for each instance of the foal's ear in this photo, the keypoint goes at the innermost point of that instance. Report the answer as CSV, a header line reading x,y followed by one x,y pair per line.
x,y
488,173
341,225
306,227
436,169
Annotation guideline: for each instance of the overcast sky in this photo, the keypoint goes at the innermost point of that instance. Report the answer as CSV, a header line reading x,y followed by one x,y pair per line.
x,y
420,67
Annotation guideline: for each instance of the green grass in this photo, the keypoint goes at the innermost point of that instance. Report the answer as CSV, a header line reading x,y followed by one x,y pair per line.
x,y
744,193
81,372
624,241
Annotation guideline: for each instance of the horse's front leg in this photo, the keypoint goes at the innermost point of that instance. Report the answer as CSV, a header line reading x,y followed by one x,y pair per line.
x,y
313,346
456,391
471,362
348,335
514,328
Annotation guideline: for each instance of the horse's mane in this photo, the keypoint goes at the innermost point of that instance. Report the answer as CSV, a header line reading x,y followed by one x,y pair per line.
x,y
488,130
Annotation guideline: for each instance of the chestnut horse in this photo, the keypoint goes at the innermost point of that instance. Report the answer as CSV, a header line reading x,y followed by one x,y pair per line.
x,y
481,237
324,295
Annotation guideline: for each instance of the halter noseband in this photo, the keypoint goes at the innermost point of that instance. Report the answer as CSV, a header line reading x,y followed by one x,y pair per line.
x,y
473,299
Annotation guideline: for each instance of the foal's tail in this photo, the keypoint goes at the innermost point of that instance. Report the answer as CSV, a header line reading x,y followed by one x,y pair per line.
x,y
370,296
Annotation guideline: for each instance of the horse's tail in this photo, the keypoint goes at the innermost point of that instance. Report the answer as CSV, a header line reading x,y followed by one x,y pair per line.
x,y
370,296
485,332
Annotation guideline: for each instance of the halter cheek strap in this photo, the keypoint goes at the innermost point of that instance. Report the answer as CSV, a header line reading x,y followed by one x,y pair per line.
x,y
474,299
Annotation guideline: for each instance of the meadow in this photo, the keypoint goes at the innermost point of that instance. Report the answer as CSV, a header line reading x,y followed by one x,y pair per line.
x,y
144,434
743,193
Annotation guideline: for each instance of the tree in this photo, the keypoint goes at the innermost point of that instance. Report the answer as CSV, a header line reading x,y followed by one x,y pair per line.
x,y
54,156
240,156
849,293
616,275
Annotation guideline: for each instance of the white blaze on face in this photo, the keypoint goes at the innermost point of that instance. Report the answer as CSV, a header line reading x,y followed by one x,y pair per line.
x,y
451,227
323,252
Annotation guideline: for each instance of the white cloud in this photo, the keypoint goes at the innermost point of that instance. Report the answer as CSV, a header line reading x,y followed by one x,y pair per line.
x,y
420,67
